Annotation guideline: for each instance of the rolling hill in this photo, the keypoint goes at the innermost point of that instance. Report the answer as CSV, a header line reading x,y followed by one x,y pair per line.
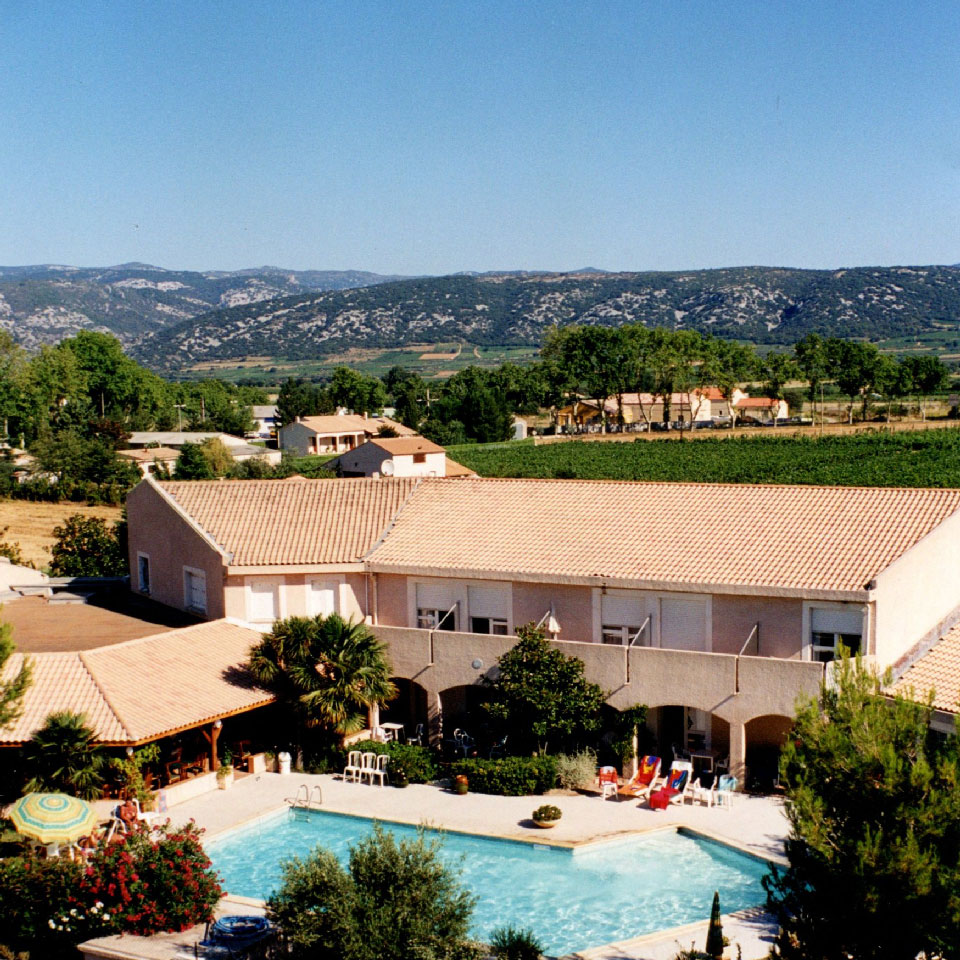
x,y
759,304
44,303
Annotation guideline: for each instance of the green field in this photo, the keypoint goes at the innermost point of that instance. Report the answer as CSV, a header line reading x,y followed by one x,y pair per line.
x,y
452,358
910,459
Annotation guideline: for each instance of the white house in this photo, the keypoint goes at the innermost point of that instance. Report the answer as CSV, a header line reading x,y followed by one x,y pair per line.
x,y
397,457
335,433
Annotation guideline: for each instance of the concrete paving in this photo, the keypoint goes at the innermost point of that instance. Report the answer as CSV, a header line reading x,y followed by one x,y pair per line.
x,y
755,824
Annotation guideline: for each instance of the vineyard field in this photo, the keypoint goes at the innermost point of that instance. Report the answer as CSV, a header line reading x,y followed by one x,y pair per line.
x,y
909,459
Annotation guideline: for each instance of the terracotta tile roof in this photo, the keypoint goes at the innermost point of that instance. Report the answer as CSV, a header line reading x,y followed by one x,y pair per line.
x,y
402,446
455,469
799,537
143,689
353,423
757,402
61,681
937,670
258,522
149,454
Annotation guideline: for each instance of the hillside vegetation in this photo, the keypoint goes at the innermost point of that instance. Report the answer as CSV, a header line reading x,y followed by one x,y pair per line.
x,y
757,304
43,304
928,458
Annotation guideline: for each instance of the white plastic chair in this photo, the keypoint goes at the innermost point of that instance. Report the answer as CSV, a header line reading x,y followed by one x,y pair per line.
x,y
698,793
380,770
726,789
368,763
417,736
354,766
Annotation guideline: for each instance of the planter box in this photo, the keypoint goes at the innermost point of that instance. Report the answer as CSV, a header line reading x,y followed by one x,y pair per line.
x,y
257,763
188,789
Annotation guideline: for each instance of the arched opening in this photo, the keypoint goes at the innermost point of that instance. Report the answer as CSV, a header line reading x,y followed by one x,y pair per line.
x,y
681,732
409,708
461,708
765,737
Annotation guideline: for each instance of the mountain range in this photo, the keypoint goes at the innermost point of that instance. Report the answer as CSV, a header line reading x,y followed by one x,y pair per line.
x,y
46,302
758,304
172,319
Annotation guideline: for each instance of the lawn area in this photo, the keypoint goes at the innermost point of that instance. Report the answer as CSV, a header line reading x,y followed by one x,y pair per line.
x,y
929,458
31,524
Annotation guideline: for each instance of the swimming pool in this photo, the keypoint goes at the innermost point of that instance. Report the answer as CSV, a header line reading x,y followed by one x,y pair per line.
x,y
572,899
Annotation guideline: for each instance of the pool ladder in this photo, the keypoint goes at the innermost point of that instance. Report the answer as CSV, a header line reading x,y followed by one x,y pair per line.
x,y
305,800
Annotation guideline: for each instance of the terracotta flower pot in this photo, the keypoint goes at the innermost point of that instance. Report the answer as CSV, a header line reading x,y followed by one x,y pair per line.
x,y
546,823
460,784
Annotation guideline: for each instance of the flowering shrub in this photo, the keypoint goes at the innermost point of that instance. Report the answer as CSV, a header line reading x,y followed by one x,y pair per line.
x,y
151,885
32,892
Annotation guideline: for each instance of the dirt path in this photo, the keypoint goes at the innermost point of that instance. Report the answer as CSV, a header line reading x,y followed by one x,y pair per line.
x,y
31,524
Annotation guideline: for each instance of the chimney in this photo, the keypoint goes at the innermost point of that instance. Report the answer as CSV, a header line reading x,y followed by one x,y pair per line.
x,y
364,414
297,419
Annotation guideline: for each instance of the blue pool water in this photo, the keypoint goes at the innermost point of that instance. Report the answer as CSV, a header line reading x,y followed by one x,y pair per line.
x,y
572,899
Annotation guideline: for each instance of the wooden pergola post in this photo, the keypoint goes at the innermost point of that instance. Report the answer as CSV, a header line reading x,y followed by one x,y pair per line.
x,y
211,738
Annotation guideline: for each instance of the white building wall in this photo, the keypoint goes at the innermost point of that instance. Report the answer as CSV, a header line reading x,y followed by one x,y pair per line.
x,y
916,595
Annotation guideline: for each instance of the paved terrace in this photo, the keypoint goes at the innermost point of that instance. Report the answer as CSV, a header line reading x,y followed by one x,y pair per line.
x,y
755,824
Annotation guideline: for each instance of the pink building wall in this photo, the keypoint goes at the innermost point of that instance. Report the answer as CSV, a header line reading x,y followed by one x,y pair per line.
x,y
171,544
780,619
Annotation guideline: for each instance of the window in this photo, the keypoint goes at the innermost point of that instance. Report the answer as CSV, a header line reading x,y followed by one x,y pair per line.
x,y
263,600
824,645
322,598
195,590
419,458
143,573
495,625
617,634
830,627
430,618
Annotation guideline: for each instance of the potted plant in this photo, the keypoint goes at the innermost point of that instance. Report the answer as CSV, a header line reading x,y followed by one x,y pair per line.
x,y
547,816
398,773
225,771
460,784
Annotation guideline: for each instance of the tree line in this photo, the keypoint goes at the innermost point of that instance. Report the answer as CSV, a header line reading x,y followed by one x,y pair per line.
x,y
606,363
73,406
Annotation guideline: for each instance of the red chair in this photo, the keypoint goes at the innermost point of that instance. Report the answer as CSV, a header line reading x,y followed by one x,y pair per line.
x,y
609,782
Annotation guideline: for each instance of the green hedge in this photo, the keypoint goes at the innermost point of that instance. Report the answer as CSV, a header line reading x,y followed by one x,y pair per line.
x,y
417,763
509,777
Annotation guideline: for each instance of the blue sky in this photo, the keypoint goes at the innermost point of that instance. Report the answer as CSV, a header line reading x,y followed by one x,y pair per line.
x,y
416,137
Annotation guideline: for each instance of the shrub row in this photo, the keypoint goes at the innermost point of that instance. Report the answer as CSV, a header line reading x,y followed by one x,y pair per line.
x,y
509,777
417,764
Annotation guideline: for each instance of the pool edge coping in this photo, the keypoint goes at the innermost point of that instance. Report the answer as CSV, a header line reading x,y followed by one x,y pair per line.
x,y
572,845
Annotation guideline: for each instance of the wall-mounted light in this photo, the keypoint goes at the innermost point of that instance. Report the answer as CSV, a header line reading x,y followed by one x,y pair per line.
x,y
129,751
217,724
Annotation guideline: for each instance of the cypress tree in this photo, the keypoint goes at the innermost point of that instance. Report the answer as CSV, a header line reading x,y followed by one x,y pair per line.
x,y
715,930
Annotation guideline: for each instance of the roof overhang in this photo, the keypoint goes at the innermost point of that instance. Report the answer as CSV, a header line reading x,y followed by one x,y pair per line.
x,y
673,586
278,569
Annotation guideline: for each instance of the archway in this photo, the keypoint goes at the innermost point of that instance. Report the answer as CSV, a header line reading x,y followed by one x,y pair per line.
x,y
409,708
679,731
765,737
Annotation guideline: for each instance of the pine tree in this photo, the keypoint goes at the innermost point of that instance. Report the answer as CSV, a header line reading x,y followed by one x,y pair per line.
x,y
12,690
715,930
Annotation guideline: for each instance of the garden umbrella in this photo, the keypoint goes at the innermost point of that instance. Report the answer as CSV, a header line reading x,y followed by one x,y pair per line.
x,y
53,817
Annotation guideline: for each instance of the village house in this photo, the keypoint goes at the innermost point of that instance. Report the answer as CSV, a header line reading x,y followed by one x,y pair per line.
x,y
709,405
715,605
335,433
397,457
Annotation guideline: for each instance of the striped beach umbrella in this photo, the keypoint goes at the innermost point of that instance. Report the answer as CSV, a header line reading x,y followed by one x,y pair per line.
x,y
52,817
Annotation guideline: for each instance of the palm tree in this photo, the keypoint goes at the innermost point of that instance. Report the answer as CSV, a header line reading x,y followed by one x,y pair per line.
x,y
328,671
63,758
